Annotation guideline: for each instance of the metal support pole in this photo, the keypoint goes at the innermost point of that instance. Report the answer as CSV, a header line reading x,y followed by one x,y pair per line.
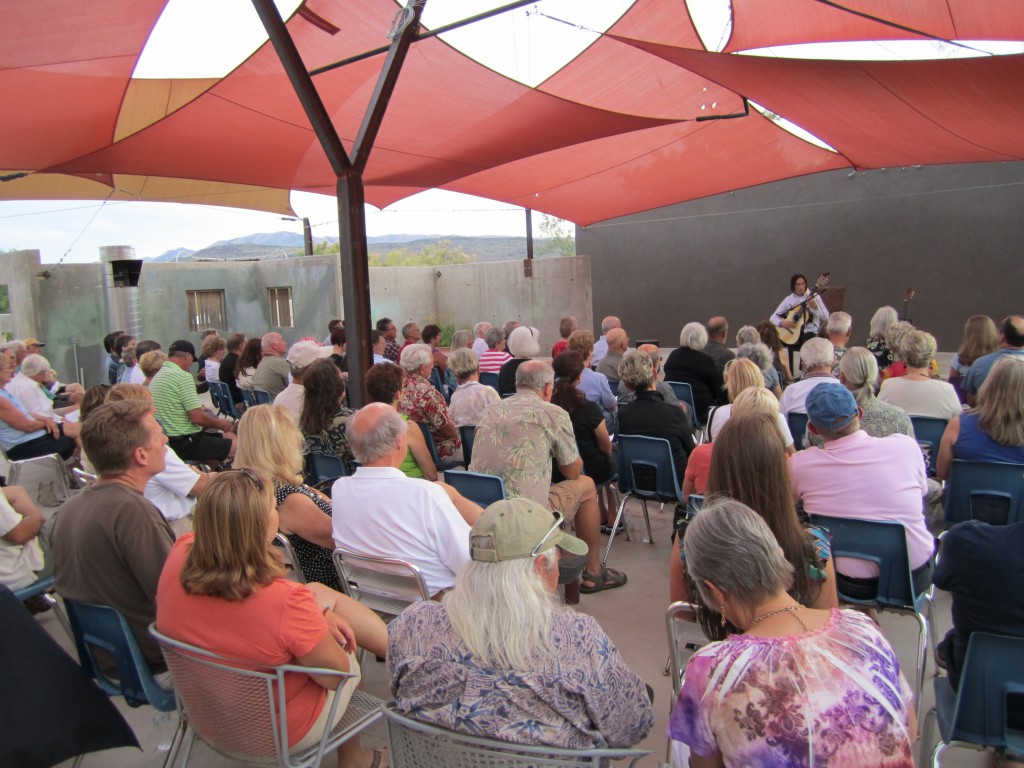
x,y
355,281
307,236
528,262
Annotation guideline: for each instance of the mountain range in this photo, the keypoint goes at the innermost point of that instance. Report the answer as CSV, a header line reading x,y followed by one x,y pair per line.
x,y
265,245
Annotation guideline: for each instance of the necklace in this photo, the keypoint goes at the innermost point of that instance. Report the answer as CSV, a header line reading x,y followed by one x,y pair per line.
x,y
787,609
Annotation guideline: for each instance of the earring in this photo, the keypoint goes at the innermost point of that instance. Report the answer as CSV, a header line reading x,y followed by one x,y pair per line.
x,y
722,609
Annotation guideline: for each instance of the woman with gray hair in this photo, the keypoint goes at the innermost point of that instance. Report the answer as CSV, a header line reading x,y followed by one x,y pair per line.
x,y
763,358
916,392
471,397
883,319
858,372
523,343
422,403
522,667
799,686
690,365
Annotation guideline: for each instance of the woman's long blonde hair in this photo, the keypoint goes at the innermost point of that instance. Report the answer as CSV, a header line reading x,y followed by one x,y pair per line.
x,y
1001,402
231,556
740,374
269,439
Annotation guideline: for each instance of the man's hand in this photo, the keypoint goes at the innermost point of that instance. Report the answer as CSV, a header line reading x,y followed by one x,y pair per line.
x,y
50,426
788,324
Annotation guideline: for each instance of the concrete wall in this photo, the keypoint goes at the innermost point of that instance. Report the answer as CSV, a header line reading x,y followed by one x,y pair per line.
x,y
953,233
67,308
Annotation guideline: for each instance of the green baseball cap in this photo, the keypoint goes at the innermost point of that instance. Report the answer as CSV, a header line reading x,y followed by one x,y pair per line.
x,y
514,528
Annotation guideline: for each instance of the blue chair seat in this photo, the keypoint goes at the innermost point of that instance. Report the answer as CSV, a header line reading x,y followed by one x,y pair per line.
x,y
992,492
482,489
928,433
798,428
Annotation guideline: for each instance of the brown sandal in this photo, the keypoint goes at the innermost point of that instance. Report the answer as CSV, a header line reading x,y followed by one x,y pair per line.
x,y
607,579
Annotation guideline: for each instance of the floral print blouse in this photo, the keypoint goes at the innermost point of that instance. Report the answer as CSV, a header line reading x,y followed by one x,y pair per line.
x,y
422,403
832,697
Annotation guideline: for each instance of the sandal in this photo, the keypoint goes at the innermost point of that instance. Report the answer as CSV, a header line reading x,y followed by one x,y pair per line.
x,y
379,759
607,579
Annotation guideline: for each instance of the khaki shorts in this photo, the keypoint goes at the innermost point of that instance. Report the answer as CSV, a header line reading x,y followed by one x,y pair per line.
x,y
313,735
566,497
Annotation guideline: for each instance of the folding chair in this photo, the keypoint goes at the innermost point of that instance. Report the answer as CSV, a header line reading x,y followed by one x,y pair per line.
x,y
885,544
438,382
215,398
992,492
694,504
798,428
684,394
227,402
976,715
490,380
685,637
105,629
413,744
82,478
928,433
290,560
653,455
248,397
383,584
321,467
262,397
482,489
442,465
240,711
467,434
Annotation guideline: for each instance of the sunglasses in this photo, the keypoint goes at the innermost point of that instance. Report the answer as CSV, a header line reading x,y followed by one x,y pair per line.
x,y
250,475
559,519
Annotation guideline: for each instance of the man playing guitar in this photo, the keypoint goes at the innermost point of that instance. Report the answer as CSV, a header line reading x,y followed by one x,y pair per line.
x,y
800,314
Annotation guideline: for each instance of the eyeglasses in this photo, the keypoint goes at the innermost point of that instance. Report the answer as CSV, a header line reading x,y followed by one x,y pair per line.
x,y
250,475
559,519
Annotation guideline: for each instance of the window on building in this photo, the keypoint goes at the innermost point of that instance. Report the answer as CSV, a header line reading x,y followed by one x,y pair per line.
x,y
280,307
206,310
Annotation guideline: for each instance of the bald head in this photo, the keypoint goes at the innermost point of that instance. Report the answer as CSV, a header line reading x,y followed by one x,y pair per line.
x,y
718,329
652,352
376,435
617,340
1011,332
608,323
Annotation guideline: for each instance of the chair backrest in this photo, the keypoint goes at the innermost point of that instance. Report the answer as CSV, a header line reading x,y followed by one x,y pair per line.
x,y
685,637
442,465
992,492
248,397
646,469
928,433
412,743
439,383
694,504
262,397
482,489
290,559
100,629
227,401
467,434
82,478
322,467
490,379
797,427
993,670
684,394
215,397
881,542
385,584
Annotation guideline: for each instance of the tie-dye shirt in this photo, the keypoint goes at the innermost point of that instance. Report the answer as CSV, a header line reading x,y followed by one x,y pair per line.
x,y
832,697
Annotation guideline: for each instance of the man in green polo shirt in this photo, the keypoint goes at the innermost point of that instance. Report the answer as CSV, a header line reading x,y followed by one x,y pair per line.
x,y
181,413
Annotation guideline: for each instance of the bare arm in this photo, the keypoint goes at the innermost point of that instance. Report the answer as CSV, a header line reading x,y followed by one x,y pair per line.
x,y
326,654
678,589
299,515
31,518
604,440
420,452
949,438
20,421
711,761
689,486
201,418
827,597
573,470
370,631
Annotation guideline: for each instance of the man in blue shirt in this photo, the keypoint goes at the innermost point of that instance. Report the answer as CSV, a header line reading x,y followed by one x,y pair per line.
x,y
1011,342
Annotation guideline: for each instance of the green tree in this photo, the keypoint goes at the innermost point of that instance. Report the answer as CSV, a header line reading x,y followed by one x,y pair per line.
x,y
429,256
325,247
558,234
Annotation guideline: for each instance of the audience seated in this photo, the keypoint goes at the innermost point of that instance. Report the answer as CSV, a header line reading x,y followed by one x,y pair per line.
x,y
422,403
223,589
601,345
379,511
25,435
174,490
495,355
391,349
182,414
566,327
29,387
742,374
625,395
883,319
690,365
1011,344
981,337
248,362
109,541
410,335
594,386
431,336
618,342
770,338
384,383
22,559
228,371
212,352
718,331
518,438
839,328
471,397
748,466
324,415
816,359
894,339
762,357
524,344
338,342
862,477
500,658
994,430
273,370
480,344
858,372
781,692
301,355
916,392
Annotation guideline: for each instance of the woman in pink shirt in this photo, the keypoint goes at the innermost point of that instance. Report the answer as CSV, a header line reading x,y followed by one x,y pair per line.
x,y
223,589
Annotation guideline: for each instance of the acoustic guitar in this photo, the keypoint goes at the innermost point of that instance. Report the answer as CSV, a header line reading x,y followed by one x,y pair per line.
x,y
800,314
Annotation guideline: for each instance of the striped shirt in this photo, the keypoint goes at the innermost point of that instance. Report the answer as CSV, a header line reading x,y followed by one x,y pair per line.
x,y
492,360
174,395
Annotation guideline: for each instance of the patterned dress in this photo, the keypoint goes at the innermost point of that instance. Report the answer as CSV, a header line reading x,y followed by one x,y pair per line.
x,y
314,560
832,697
333,442
584,696
422,403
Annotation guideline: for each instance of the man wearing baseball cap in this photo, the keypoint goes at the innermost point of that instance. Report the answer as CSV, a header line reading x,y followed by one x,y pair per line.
x,y
300,357
34,346
864,478
181,413
499,656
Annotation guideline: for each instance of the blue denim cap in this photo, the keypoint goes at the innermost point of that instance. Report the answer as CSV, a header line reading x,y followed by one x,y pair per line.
x,y
831,406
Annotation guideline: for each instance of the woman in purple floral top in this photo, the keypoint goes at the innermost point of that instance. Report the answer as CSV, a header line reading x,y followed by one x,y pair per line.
x,y
799,687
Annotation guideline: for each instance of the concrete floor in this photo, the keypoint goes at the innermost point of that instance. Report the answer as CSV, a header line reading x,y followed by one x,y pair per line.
x,y
633,616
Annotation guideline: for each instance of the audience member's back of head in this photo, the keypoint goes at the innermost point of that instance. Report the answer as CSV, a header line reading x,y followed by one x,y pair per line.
x,y
693,336
383,383
494,337
374,431
1001,402
534,375
112,433
741,374
817,353
524,342
582,341
859,372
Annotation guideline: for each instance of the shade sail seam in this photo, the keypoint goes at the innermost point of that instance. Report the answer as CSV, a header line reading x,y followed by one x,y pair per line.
x,y
59,64
893,24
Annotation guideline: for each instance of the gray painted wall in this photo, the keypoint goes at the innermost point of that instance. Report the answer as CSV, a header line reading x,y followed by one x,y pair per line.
x,y
68,307
953,233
